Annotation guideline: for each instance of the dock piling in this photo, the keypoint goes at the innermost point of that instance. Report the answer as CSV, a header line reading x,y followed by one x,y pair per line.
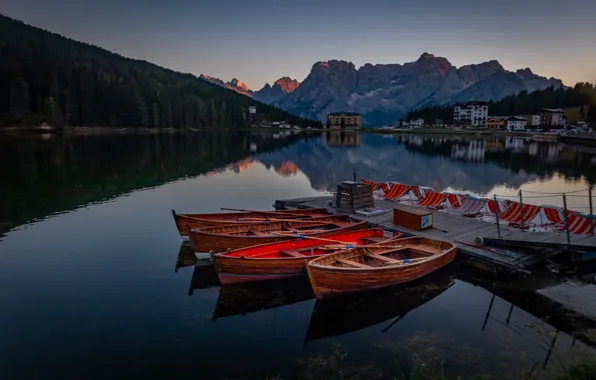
x,y
591,211
566,218
521,208
497,211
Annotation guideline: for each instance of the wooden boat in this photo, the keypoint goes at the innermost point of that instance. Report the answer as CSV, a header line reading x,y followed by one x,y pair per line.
x,y
287,258
366,268
219,239
184,221
359,311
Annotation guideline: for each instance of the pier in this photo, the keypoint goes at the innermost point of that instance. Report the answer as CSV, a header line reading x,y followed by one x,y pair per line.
x,y
525,248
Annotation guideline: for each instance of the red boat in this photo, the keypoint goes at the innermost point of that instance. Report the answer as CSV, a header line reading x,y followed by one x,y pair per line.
x,y
287,258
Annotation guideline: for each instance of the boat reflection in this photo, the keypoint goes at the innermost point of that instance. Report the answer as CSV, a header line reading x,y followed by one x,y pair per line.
x,y
203,276
186,257
337,316
242,299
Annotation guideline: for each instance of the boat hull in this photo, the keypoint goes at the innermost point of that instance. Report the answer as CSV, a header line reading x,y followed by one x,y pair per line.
x,y
184,222
202,241
219,239
240,266
328,281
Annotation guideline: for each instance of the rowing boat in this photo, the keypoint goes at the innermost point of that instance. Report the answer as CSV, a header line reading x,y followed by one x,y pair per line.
x,y
219,239
366,268
183,221
287,258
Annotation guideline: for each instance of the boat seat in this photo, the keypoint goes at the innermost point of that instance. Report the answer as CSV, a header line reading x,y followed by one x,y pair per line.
x,y
355,264
385,259
258,233
373,239
291,253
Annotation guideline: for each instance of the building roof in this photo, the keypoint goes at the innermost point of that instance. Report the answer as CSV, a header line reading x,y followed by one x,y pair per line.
x,y
517,118
345,114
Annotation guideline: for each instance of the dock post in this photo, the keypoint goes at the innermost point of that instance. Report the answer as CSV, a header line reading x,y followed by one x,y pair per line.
x,y
497,215
492,300
591,211
354,172
566,218
521,209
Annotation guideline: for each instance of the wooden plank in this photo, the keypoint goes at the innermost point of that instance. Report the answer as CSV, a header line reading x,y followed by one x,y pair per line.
x,y
292,253
353,263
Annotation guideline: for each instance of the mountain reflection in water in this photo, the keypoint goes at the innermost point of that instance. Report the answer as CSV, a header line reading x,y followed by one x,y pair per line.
x,y
42,177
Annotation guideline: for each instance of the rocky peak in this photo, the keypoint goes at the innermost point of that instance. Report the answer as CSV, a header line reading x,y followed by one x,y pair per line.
x,y
426,56
238,84
287,84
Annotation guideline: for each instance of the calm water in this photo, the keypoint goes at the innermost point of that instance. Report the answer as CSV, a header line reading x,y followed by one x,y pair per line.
x,y
96,283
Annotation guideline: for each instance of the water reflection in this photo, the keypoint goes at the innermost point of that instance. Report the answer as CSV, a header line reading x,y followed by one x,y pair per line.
x,y
186,257
351,313
243,299
43,177
203,276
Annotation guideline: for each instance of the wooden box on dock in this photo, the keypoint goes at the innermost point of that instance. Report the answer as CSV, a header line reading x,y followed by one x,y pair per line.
x,y
354,196
413,218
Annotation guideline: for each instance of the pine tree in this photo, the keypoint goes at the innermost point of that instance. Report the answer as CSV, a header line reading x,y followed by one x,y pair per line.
x,y
19,100
53,113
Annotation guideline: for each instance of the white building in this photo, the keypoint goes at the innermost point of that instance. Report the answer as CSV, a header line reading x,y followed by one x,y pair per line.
x,y
516,123
472,113
548,117
252,109
416,123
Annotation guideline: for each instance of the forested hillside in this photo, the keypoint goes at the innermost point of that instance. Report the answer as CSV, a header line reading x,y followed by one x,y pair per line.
x,y
523,103
45,77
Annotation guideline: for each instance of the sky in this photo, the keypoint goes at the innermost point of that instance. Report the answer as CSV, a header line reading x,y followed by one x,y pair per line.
x,y
259,41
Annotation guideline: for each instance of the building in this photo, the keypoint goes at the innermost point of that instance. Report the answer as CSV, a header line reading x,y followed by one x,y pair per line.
x,y
252,110
495,123
416,123
347,120
471,113
516,123
548,116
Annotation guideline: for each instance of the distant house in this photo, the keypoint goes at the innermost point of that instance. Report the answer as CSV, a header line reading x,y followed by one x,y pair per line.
x,y
548,117
495,123
471,113
252,109
347,120
516,123
416,123
401,123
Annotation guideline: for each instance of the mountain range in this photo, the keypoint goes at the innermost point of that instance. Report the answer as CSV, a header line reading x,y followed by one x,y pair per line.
x,y
385,92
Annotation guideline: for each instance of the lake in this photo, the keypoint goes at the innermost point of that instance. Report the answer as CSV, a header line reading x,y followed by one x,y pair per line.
x,y
96,283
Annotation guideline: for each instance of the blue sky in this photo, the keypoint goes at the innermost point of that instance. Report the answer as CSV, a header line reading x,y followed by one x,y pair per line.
x,y
259,41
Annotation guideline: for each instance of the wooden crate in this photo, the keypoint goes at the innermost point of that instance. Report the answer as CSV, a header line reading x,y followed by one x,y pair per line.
x,y
354,196
413,218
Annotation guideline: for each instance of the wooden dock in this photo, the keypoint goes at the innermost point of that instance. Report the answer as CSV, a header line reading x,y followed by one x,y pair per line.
x,y
455,228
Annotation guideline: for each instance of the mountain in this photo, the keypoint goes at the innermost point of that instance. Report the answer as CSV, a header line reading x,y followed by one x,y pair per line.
x,y
235,85
47,78
278,92
268,94
385,92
